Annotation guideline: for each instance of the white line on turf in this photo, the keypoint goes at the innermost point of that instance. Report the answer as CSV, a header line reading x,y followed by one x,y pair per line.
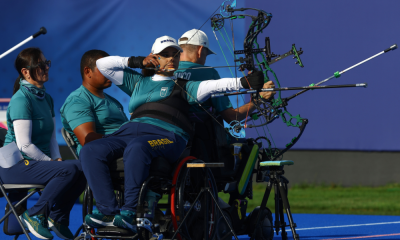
x,y
341,226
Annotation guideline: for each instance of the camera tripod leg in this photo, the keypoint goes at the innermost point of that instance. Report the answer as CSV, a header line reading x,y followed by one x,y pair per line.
x,y
278,206
282,191
222,213
282,218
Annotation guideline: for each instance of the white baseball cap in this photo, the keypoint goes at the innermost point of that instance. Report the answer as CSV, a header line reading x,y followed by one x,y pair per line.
x,y
196,37
163,42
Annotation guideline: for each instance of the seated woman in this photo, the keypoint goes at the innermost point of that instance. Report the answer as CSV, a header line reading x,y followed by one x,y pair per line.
x,y
31,124
159,126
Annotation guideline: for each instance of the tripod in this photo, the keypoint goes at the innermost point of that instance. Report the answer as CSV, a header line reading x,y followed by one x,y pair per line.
x,y
203,192
273,170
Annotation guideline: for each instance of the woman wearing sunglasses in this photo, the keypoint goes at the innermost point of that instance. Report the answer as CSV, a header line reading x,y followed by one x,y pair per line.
x,y
31,125
159,125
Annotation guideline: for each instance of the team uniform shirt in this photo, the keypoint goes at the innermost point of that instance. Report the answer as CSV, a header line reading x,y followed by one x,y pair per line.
x,y
152,89
82,106
220,103
24,105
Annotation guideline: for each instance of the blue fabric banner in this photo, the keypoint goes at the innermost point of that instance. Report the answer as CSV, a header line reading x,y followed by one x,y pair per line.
x,y
334,35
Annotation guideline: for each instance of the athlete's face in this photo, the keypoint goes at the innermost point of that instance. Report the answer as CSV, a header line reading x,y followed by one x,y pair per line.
x,y
169,58
42,72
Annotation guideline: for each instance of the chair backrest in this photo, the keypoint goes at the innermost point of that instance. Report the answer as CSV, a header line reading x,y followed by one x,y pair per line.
x,y
70,142
3,133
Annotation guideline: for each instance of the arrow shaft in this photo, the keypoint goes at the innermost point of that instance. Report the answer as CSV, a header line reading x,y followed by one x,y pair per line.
x,y
290,88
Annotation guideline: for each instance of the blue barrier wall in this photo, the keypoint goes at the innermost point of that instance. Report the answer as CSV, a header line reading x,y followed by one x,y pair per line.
x,y
333,34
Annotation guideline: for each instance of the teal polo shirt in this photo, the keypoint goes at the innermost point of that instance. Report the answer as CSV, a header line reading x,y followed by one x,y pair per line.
x,y
81,106
145,89
26,106
220,103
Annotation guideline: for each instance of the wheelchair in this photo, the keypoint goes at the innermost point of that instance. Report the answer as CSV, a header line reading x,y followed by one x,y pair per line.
x,y
182,185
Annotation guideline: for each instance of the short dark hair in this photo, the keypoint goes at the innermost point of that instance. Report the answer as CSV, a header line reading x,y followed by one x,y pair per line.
x,y
27,58
89,59
188,47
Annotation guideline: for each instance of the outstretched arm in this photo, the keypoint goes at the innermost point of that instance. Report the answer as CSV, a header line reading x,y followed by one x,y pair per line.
x,y
207,88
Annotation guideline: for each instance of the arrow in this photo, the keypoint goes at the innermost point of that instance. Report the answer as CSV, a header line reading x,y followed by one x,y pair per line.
x,y
290,88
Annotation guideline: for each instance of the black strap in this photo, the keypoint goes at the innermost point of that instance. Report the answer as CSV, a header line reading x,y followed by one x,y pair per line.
x,y
172,119
173,109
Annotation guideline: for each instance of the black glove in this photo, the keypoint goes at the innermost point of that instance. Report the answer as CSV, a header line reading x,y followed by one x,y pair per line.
x,y
255,79
136,62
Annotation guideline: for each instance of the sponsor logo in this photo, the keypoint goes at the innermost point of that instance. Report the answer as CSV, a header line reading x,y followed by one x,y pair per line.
x,y
26,162
159,143
163,91
167,40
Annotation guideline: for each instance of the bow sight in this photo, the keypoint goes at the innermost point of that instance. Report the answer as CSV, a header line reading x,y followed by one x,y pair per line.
x,y
270,56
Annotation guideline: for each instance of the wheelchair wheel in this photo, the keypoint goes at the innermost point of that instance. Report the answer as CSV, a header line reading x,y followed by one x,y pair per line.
x,y
222,229
87,205
265,229
201,219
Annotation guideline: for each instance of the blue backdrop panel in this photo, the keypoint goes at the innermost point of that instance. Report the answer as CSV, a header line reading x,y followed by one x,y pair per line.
x,y
333,35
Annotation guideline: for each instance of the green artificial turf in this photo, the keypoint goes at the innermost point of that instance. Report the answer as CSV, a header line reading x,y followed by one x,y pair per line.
x,y
331,199
334,199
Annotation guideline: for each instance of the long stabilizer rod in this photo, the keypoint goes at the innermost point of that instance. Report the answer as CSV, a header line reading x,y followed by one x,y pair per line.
x,y
290,88
338,74
41,31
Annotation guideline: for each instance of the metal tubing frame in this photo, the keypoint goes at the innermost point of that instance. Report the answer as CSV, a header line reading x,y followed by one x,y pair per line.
x,y
87,231
13,210
16,205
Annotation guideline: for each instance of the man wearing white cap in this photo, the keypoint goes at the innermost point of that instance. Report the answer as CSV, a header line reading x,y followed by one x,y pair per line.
x,y
195,46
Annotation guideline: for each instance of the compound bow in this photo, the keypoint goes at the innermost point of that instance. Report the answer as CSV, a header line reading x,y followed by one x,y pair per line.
x,y
276,107
270,109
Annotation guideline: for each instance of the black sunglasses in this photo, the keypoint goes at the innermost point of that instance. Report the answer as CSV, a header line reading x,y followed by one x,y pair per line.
x,y
42,65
